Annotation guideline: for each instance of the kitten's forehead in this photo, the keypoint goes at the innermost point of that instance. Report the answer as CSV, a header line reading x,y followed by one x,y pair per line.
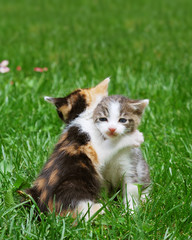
x,y
126,108
118,105
123,105
114,109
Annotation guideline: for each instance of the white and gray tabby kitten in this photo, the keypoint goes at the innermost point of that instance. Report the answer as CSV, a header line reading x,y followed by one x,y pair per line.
x,y
117,118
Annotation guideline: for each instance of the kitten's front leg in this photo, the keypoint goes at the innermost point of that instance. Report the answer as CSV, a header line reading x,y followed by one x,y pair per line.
x,y
130,195
111,146
130,140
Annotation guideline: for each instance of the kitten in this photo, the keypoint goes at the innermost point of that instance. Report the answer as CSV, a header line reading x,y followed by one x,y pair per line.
x,y
70,181
117,118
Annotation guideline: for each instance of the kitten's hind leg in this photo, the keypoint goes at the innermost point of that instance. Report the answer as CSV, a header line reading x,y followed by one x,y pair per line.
x,y
88,209
130,195
145,194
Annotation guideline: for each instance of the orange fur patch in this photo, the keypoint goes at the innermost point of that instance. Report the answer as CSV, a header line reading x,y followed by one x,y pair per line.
x,y
65,109
62,213
54,177
43,196
68,212
50,205
62,138
87,149
70,149
87,95
73,98
49,164
100,89
90,152
40,183
83,165
54,205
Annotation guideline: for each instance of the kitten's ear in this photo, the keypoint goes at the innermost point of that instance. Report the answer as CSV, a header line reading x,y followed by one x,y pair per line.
x,y
58,102
49,99
102,87
61,104
140,105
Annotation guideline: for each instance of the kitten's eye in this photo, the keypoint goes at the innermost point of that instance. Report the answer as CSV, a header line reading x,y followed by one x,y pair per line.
x,y
122,120
103,119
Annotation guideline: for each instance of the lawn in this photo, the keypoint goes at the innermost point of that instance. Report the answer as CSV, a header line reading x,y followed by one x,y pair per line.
x,y
145,46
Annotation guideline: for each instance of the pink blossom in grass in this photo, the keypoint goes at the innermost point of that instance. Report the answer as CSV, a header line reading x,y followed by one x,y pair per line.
x,y
45,69
38,69
3,66
18,68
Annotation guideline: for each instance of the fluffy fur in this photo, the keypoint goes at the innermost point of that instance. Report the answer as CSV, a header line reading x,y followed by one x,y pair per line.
x,y
117,118
70,181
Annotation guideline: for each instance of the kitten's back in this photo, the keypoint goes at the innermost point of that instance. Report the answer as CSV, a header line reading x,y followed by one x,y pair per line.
x,y
69,180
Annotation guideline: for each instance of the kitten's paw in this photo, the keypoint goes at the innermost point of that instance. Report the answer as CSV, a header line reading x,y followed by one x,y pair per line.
x,y
131,204
137,138
96,207
87,209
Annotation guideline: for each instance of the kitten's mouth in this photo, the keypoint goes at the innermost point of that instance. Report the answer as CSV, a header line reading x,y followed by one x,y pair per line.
x,y
111,134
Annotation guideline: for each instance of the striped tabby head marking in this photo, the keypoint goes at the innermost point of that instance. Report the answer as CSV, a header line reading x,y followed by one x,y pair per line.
x,y
117,115
71,106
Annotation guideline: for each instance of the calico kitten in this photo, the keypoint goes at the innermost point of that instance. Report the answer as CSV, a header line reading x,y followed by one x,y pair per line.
x,y
117,118
70,181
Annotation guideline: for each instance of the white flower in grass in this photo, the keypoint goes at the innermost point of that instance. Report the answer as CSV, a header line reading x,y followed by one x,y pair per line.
x,y
3,66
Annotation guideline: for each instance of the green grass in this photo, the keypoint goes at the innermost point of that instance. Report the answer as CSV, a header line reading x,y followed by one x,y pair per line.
x,y
145,46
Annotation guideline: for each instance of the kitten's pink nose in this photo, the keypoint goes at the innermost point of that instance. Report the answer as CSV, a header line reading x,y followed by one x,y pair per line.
x,y
112,130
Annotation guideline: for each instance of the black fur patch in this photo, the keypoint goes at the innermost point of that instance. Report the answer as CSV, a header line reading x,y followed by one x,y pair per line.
x,y
78,107
76,183
60,115
76,136
77,177
34,193
59,102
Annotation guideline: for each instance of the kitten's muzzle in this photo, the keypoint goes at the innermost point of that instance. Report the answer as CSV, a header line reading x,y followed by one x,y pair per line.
x,y
112,132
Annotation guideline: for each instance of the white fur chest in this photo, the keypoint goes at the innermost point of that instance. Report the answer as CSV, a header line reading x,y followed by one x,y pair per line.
x,y
117,167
